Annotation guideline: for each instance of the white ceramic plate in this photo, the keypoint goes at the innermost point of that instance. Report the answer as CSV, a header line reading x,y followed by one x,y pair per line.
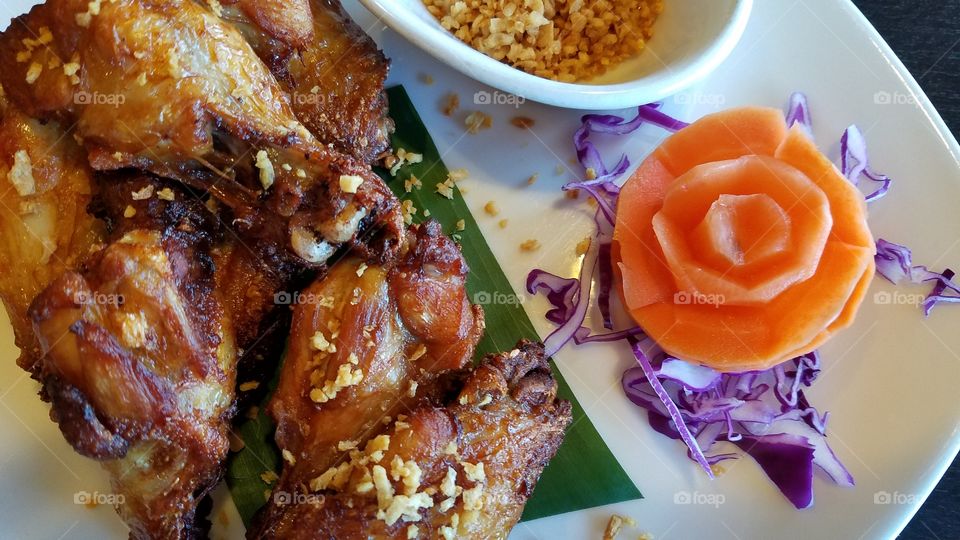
x,y
690,39
890,381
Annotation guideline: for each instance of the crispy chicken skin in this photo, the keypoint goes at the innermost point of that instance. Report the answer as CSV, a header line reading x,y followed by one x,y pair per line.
x,y
254,276
464,470
350,71
45,185
288,22
368,342
169,87
196,71
139,360
332,70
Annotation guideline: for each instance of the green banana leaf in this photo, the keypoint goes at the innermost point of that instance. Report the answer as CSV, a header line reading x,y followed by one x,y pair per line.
x,y
584,473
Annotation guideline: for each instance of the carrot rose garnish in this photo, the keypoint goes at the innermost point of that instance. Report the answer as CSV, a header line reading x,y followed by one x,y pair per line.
x,y
739,245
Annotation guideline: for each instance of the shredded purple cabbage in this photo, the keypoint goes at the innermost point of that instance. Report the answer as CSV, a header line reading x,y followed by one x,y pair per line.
x,y
788,462
854,162
895,263
589,156
765,414
680,425
574,300
937,295
798,112
571,298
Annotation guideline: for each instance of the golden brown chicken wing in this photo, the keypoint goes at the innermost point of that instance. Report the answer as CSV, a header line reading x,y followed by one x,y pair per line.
x,y
254,277
139,359
288,22
145,79
368,342
45,185
464,470
169,87
332,70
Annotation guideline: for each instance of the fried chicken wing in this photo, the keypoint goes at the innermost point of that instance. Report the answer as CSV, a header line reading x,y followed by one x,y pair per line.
x,y
288,22
464,470
332,70
195,70
368,342
255,279
45,185
139,359
169,87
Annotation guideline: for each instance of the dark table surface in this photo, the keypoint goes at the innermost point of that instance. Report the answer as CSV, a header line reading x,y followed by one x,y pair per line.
x,y
925,34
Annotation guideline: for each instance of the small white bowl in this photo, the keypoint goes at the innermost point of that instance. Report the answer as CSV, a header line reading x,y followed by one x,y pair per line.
x,y
690,39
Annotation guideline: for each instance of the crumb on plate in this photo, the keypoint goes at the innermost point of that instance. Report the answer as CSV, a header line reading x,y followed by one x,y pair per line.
x,y
457,175
530,245
477,122
616,524
583,246
451,102
522,122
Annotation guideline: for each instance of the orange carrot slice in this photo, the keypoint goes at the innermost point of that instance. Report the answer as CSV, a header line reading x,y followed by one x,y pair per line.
x,y
648,279
847,205
724,135
804,206
742,338
742,211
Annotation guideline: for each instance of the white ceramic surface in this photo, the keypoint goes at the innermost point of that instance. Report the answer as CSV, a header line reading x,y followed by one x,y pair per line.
x,y
690,39
890,382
